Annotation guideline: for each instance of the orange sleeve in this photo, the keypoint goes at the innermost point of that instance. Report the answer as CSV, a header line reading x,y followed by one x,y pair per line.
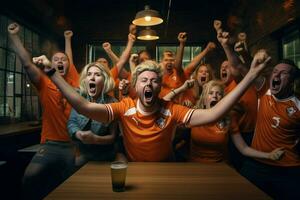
x,y
73,76
181,114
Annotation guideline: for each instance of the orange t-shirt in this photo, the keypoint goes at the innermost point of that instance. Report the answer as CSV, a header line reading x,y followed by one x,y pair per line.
x,y
248,105
209,142
56,109
278,125
172,81
148,137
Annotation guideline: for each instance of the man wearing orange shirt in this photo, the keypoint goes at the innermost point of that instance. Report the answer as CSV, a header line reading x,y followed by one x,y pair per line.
x,y
148,123
278,125
54,161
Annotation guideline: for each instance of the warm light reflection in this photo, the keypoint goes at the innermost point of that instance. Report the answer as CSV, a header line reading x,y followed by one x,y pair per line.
x,y
148,36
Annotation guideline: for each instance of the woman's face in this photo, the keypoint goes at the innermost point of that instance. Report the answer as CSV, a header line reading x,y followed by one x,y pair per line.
x,y
203,75
94,82
214,96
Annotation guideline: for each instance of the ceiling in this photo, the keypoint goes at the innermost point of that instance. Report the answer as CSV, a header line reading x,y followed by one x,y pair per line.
x,y
93,20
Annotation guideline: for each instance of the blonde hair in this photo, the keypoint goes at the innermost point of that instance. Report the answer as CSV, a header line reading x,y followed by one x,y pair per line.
x,y
148,65
108,84
206,89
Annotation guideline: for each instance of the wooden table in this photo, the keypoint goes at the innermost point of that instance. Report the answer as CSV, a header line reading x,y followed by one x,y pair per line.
x,y
159,181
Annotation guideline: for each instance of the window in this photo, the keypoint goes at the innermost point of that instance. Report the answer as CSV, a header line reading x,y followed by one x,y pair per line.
x,y
291,47
96,51
189,52
18,99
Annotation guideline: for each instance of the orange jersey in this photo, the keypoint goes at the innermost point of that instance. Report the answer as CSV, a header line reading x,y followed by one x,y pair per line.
x,y
172,81
148,137
209,142
247,108
278,125
56,109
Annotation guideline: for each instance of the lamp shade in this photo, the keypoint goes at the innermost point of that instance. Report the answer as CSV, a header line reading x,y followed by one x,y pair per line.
x,y
148,34
147,17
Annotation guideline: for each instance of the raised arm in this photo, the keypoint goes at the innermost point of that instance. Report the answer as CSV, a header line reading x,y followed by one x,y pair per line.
x,y
174,92
197,59
182,37
125,54
200,117
68,45
91,110
107,48
233,59
34,73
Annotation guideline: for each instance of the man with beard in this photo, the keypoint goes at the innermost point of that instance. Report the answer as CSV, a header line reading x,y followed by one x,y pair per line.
x,y
277,125
54,161
149,123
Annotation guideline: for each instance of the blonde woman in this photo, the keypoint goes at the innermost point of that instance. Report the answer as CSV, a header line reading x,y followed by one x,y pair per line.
x,y
209,142
95,140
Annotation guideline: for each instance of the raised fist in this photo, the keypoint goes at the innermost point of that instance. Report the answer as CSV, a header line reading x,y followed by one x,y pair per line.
x,y
133,58
41,61
131,37
13,28
211,46
217,25
68,34
106,46
182,37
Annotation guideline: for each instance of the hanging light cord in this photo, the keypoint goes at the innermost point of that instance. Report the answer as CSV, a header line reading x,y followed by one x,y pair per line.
x,y
168,17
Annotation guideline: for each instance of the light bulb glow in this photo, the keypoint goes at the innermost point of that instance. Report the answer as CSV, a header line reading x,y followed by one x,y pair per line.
x,y
148,36
148,18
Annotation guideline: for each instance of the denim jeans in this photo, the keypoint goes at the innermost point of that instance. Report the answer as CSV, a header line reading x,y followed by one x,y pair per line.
x,y
50,166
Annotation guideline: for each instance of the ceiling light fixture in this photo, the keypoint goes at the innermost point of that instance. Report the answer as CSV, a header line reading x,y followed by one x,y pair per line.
x,y
147,17
148,34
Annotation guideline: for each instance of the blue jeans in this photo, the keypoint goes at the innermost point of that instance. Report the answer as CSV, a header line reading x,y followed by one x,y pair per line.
x,y
50,166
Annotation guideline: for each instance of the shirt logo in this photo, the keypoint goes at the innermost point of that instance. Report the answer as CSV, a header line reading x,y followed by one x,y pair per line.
x,y
290,111
161,122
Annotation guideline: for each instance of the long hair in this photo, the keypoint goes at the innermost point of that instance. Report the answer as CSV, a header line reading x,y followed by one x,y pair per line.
x,y
108,84
209,69
206,89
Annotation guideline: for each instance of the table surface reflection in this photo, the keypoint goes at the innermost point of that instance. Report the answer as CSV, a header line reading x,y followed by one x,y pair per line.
x,y
159,181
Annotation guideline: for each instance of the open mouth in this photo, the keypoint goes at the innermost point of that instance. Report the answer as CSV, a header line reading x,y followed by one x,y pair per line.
x,y
276,83
213,103
60,68
148,95
203,79
224,74
92,87
169,66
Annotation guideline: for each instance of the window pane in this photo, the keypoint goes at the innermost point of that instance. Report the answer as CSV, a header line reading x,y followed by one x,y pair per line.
x,y
10,84
18,65
18,81
35,109
2,81
2,107
35,44
2,58
9,107
18,107
28,40
11,58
